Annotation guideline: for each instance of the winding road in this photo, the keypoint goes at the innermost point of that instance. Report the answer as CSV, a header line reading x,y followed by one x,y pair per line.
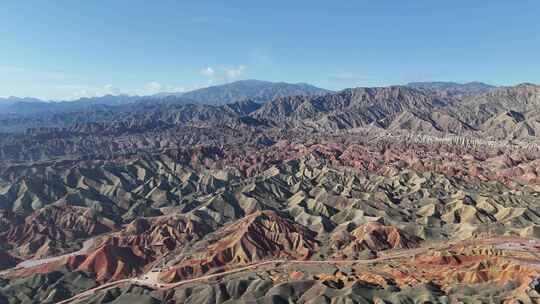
x,y
150,279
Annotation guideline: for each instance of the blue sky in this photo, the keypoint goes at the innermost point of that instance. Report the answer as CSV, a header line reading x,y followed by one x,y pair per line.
x,y
65,49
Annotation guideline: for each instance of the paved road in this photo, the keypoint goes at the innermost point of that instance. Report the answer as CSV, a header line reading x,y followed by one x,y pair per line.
x,y
151,279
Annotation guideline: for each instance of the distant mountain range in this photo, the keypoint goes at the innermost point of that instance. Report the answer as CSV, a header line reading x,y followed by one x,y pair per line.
x,y
454,88
504,113
435,108
15,105
256,90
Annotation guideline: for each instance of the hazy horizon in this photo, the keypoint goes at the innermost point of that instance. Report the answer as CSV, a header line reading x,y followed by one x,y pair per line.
x,y
164,93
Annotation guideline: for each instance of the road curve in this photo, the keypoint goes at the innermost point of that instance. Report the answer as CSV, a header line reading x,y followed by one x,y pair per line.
x,y
160,286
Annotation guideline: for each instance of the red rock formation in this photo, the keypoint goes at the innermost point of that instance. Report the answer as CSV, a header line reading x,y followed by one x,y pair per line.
x,y
375,237
131,251
159,234
57,224
110,262
263,234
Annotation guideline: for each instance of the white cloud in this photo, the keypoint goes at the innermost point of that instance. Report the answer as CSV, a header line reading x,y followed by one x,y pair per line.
x,y
155,87
59,86
71,92
152,88
79,94
111,90
234,73
208,72
224,74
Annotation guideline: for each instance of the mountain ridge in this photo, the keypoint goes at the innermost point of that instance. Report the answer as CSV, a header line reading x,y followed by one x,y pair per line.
x,y
194,95
388,194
